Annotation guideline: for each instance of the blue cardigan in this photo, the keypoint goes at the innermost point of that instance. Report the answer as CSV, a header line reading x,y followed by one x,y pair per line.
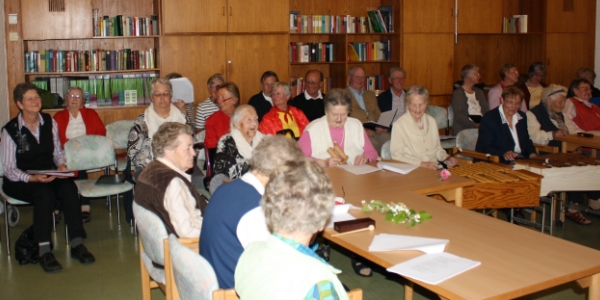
x,y
495,138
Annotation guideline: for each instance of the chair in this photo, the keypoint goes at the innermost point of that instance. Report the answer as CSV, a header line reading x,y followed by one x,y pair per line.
x,y
450,118
354,294
118,132
466,140
193,276
92,152
441,117
385,150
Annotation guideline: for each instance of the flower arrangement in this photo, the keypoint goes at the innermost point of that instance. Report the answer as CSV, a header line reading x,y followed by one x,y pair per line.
x,y
444,175
396,212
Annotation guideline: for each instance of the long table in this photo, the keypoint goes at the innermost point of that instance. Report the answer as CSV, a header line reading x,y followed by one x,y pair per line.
x,y
572,141
515,261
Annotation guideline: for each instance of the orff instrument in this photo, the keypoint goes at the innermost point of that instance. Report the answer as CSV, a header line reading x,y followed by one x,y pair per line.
x,y
337,152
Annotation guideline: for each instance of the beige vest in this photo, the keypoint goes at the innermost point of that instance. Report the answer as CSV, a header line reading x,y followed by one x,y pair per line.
x,y
320,138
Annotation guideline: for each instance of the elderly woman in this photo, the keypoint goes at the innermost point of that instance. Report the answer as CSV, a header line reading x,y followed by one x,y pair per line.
x,y
235,148
76,120
160,111
217,125
581,114
336,128
297,202
546,121
283,116
468,102
415,137
503,131
165,189
509,75
589,75
532,88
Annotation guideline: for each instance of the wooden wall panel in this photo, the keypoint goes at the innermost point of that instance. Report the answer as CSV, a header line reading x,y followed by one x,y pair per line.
x,y
39,23
258,16
476,16
319,7
194,16
428,16
134,8
561,19
566,54
429,61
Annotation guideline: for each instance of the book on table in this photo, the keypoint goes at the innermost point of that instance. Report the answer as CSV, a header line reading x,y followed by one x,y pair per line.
x,y
62,173
385,120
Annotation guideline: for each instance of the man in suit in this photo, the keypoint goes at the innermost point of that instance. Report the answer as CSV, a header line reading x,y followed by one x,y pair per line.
x,y
311,101
364,107
262,101
393,98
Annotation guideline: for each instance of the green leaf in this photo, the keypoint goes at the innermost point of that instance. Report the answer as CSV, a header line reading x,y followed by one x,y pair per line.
x,y
389,217
424,215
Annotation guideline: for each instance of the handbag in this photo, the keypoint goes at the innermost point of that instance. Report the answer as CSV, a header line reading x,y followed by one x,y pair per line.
x,y
27,249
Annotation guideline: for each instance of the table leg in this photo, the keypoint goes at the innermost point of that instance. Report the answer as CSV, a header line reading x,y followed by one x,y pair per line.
x,y
594,292
564,147
458,196
409,291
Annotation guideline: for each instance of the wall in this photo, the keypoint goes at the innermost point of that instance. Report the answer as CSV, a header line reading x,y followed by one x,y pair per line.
x,y
4,111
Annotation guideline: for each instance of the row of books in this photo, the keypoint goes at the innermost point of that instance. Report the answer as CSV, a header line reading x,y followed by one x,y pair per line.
x,y
104,90
298,85
370,51
377,21
516,24
311,52
89,60
124,26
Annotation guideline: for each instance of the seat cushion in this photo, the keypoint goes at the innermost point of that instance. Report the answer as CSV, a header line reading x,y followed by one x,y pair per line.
x,y
88,188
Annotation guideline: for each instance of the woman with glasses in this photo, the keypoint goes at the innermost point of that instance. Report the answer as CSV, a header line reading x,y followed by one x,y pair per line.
x,y
283,118
161,110
217,125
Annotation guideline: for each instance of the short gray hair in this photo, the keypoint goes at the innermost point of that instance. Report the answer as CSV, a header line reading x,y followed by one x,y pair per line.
x,y
286,87
239,113
166,137
273,152
298,197
351,71
214,78
416,90
75,88
396,69
536,68
337,97
162,81
468,69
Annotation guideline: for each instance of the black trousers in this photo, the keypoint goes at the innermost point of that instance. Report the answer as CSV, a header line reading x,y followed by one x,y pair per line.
x,y
43,196
577,197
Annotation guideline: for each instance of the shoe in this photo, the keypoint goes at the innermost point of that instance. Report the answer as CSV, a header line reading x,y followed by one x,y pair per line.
x,y
49,263
360,268
86,216
81,252
579,218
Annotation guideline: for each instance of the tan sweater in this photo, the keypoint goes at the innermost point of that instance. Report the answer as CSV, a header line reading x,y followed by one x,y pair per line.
x,y
372,111
412,145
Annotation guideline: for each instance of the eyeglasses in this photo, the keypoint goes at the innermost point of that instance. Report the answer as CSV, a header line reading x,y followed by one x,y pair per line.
x,y
312,82
75,96
278,94
268,84
223,100
164,95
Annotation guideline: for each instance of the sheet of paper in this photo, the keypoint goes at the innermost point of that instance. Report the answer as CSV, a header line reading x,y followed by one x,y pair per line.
x,y
340,213
182,89
434,268
359,170
66,173
397,167
386,118
390,242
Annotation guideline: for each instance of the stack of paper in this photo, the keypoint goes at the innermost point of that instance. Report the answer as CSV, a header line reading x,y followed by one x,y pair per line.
x,y
359,170
391,242
397,167
434,268
340,213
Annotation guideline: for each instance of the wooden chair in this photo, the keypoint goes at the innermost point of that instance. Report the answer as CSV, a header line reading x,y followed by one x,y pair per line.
x,y
546,148
354,294
188,274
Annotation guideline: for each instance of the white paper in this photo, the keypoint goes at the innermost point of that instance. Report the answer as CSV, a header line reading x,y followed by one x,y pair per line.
x,y
182,89
359,170
434,268
386,118
340,213
397,167
390,242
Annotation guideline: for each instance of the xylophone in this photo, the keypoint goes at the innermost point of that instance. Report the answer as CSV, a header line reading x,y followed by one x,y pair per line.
x,y
498,186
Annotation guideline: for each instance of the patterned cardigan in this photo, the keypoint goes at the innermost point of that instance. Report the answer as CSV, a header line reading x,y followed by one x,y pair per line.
x,y
228,160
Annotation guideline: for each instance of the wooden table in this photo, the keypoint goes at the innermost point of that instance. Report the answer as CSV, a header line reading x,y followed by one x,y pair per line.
x,y
515,261
574,141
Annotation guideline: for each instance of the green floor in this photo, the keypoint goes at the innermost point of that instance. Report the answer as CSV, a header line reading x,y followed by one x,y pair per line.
x,y
115,275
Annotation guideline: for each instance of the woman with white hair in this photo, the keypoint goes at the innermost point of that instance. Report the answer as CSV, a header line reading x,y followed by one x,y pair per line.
x,y
235,148
545,122
283,117
297,202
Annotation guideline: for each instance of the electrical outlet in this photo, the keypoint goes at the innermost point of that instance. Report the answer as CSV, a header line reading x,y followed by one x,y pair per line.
x,y
12,19
13,36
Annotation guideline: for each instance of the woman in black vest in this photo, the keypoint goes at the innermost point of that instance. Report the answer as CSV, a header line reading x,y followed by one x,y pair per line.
x,y
546,121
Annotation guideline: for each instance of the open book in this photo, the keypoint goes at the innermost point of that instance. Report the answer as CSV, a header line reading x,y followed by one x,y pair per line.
x,y
397,167
385,120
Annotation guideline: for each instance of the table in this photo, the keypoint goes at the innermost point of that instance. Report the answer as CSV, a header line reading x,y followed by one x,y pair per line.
x,y
574,141
543,261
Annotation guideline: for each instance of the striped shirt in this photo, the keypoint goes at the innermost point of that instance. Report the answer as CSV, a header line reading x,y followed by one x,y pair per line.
x,y
205,110
9,150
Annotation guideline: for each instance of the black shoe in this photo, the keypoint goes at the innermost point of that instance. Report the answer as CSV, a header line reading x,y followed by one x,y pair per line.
x,y
86,216
49,263
81,252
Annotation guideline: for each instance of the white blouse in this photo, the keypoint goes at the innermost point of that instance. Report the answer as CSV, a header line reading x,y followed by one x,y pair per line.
x,y
474,106
76,127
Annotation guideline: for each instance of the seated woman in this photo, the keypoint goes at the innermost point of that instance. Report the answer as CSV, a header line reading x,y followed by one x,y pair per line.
x,y
503,131
336,128
532,88
468,102
76,120
165,189
297,202
580,113
546,121
217,125
161,110
415,136
283,116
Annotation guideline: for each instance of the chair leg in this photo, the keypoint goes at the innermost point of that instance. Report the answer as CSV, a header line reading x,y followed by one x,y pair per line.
x,y
67,233
144,275
6,228
54,221
109,203
118,211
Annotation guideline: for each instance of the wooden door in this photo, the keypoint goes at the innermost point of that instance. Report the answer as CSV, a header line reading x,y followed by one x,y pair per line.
x,y
428,16
39,23
428,60
186,16
476,16
568,15
566,53
195,57
258,16
248,56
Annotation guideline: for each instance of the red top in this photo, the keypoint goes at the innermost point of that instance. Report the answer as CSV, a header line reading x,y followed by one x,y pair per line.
x,y
217,125
587,118
93,124
272,123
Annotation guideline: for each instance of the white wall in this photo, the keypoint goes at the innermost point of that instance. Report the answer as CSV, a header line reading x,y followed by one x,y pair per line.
x,y
4,110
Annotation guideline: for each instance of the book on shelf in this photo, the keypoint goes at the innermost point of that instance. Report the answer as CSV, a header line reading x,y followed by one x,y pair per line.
x,y
120,25
370,51
516,24
376,21
311,52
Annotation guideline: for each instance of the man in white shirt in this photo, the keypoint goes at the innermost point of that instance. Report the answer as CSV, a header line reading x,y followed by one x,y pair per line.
x,y
311,101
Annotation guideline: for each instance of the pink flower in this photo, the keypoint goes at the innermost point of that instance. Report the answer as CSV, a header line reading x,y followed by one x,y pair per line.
x,y
444,174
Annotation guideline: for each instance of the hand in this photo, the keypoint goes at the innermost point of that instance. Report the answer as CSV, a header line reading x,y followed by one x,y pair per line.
x,y
370,132
180,105
559,133
477,125
41,178
451,162
360,160
330,162
510,155
429,165
62,167
532,155
380,130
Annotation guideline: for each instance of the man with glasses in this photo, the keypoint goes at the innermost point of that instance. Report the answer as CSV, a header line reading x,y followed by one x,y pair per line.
x,y
311,101
393,98
262,101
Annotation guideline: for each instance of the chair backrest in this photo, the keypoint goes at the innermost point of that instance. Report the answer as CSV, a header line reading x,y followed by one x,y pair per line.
x,y
152,233
385,150
467,139
450,116
1,165
194,276
118,132
228,294
89,152
439,114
